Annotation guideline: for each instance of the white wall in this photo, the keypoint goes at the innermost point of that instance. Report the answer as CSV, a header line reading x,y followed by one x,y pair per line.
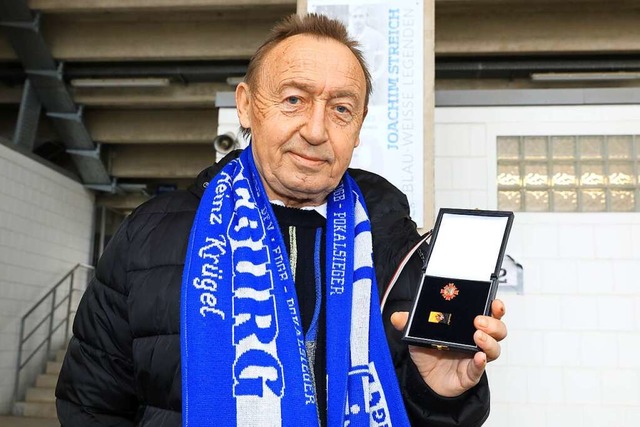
x,y
45,229
572,357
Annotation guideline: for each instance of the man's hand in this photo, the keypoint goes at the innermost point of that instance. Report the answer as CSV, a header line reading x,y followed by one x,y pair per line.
x,y
451,373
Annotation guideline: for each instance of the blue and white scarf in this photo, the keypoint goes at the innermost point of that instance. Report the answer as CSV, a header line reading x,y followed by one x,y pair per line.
x,y
244,361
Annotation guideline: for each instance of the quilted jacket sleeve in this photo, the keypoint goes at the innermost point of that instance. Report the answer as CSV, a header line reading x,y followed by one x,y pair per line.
x,y
96,386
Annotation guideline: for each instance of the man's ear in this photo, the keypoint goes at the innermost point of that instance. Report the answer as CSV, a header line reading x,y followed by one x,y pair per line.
x,y
243,105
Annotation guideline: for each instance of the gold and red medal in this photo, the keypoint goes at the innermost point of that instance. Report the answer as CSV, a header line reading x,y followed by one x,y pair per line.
x,y
449,291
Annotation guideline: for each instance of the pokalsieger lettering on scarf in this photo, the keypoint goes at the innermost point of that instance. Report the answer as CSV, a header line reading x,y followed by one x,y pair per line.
x,y
309,392
339,261
283,274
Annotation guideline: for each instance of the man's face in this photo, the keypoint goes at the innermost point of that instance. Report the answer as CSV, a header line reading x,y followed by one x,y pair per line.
x,y
305,111
358,19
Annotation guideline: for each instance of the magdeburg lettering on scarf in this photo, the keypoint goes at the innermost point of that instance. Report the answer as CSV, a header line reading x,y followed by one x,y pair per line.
x,y
378,406
257,369
239,356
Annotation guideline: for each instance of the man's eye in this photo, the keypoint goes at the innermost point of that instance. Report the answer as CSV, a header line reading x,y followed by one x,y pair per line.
x,y
293,100
342,109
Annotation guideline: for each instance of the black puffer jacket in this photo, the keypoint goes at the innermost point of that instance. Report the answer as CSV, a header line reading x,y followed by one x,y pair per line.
x,y
123,364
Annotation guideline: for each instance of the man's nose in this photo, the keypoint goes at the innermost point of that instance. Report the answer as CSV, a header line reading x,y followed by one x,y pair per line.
x,y
314,130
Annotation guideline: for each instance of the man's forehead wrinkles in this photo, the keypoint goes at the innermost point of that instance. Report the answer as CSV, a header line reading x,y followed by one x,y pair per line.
x,y
303,58
304,63
343,91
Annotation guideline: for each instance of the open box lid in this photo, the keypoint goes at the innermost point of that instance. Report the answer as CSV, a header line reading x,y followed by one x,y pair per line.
x,y
468,244
460,278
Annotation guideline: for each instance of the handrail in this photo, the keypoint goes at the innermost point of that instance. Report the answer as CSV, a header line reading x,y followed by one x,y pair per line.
x,y
49,316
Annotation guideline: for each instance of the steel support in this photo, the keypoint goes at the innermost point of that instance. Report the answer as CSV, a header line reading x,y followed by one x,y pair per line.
x,y
28,118
22,28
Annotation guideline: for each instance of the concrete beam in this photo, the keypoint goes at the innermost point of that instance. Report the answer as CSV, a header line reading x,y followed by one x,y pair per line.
x,y
498,84
517,31
152,126
194,95
540,97
441,4
160,37
195,29
66,6
159,161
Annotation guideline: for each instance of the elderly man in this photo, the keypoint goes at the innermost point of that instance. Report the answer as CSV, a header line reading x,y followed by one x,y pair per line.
x,y
253,298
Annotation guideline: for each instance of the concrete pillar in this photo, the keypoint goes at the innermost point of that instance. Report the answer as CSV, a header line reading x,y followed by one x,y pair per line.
x,y
429,110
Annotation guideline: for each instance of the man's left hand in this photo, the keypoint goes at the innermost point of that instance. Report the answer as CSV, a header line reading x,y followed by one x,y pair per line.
x,y
448,373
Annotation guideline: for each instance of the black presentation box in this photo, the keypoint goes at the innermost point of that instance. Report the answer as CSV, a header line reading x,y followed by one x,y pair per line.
x,y
461,278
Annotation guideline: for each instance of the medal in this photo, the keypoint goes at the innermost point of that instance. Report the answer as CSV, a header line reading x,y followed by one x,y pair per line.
x,y
449,291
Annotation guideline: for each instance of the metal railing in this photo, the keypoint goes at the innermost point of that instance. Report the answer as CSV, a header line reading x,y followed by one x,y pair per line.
x,y
47,307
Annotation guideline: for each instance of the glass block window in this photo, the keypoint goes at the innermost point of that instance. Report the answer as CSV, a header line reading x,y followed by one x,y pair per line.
x,y
592,173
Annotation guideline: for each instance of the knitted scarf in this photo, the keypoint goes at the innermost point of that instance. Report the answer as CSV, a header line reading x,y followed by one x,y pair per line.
x,y
244,361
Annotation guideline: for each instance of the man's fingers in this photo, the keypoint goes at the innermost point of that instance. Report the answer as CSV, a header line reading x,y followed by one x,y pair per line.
x,y
497,309
476,368
491,326
399,319
487,344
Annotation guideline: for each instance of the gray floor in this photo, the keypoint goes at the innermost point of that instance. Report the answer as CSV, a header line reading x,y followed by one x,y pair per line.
x,y
28,422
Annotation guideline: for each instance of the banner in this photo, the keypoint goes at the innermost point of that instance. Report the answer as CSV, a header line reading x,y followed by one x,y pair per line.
x,y
391,140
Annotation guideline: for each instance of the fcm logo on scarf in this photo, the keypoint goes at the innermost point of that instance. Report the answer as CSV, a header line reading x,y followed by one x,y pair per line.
x,y
367,391
257,370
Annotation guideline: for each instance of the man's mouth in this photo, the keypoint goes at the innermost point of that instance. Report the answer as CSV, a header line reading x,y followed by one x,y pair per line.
x,y
307,159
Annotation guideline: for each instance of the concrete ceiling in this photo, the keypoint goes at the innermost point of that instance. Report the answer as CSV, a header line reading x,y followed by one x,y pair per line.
x,y
157,136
